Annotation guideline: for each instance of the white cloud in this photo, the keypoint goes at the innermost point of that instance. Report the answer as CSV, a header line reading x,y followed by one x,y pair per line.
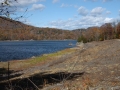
x,y
68,5
24,2
42,0
106,0
110,20
95,17
64,5
25,21
1,1
37,7
21,5
99,0
119,12
97,11
63,24
55,1
82,11
108,12
83,22
91,0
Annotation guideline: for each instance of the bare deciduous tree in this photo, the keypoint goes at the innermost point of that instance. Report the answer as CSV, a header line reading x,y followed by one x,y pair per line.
x,y
7,8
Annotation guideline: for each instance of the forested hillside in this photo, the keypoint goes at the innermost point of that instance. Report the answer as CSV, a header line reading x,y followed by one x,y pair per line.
x,y
15,30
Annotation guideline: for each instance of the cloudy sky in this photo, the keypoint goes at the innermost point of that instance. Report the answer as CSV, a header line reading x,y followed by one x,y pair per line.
x,y
69,14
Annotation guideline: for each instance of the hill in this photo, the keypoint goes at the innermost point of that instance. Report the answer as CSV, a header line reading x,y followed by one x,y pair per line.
x,y
15,30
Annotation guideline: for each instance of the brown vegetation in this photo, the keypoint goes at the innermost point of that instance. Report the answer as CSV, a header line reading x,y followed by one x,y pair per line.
x,y
15,30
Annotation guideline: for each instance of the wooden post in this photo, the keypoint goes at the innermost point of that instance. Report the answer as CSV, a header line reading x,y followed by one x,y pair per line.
x,y
8,71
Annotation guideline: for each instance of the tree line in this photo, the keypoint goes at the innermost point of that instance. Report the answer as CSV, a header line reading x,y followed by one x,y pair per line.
x,y
106,31
15,30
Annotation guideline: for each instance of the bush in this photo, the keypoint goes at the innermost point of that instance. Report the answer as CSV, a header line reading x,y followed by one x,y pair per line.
x,y
101,38
82,38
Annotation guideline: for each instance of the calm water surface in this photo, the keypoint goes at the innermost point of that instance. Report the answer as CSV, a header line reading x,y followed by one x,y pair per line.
x,y
16,50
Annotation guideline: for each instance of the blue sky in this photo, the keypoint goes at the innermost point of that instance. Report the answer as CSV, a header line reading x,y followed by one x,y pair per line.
x,y
68,14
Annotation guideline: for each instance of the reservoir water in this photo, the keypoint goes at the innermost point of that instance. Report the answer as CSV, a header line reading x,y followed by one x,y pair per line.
x,y
17,50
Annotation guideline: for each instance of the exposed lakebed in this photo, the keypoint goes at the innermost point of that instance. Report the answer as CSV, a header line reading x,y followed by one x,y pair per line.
x,y
16,50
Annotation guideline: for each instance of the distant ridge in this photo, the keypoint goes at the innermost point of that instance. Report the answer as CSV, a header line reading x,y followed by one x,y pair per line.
x,y
16,30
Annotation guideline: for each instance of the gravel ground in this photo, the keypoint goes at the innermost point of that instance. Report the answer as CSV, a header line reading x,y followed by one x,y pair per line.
x,y
100,61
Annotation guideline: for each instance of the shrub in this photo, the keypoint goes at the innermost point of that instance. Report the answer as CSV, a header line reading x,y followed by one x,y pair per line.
x,y
82,38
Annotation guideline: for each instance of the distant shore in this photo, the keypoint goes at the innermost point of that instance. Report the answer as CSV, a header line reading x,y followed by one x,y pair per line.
x,y
41,40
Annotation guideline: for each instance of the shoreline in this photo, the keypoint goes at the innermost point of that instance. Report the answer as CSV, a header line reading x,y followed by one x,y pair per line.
x,y
75,68
41,40
40,62
46,55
